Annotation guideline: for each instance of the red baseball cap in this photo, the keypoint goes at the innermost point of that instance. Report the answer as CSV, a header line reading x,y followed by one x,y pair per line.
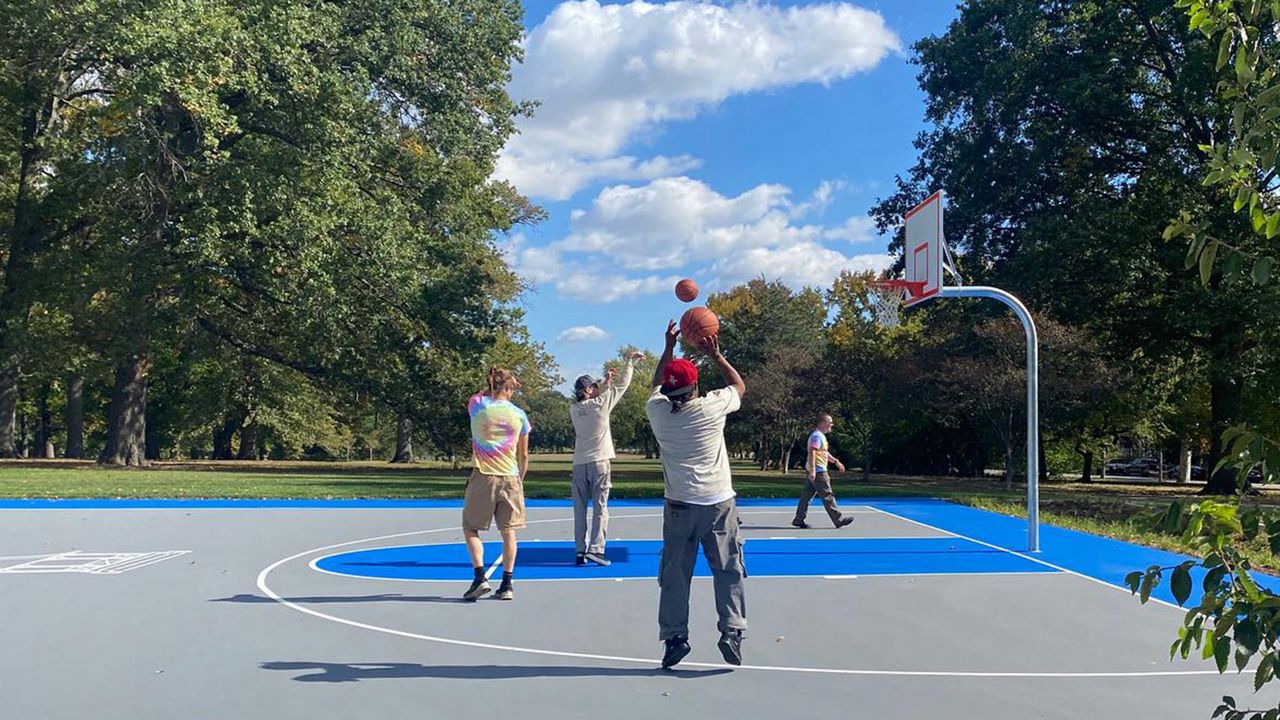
x,y
679,377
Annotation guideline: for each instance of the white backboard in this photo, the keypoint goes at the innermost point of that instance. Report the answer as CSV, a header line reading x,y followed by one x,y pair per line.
x,y
923,248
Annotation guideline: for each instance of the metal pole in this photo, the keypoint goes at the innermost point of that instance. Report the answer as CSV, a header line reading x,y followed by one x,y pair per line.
x,y
1033,399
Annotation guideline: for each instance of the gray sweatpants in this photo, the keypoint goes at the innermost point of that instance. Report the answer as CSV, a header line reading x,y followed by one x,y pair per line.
x,y
820,486
715,528
591,481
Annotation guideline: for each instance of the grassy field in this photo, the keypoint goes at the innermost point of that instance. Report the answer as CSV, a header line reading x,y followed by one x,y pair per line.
x,y
1110,509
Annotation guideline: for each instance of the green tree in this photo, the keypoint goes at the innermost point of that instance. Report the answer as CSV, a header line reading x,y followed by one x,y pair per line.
x,y
1067,134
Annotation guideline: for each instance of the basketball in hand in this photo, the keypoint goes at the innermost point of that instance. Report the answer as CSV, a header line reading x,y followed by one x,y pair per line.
x,y
698,323
687,290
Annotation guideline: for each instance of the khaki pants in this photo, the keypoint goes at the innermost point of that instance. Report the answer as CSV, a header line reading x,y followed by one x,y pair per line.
x,y
591,482
820,486
715,528
491,497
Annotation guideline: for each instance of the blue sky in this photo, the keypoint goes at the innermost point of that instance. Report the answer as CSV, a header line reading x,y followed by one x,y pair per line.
x,y
714,141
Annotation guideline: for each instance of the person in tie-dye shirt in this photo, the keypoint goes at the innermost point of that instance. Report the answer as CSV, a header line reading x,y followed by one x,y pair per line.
x,y
495,490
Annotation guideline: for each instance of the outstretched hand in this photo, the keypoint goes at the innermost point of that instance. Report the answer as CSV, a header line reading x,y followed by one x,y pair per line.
x,y
609,374
673,332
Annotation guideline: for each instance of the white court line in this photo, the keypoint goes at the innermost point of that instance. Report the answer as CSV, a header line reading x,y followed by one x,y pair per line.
x,y
1034,559
651,662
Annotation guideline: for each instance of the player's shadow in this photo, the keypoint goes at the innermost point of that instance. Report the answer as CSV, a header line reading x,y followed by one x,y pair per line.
x,y
355,672
321,599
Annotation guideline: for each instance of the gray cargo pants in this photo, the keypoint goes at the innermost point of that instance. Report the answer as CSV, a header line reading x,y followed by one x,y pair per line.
x,y
715,527
820,486
591,481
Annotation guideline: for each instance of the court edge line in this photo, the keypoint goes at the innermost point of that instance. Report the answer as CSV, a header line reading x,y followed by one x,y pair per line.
x,y
1032,558
266,590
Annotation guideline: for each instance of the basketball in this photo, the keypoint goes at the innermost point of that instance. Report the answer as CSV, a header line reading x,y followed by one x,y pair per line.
x,y
697,323
687,290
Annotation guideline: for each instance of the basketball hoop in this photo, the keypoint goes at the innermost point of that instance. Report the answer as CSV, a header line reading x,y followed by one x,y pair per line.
x,y
888,297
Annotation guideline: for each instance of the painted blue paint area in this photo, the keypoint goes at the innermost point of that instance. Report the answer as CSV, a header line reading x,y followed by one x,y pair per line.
x,y
639,558
1090,555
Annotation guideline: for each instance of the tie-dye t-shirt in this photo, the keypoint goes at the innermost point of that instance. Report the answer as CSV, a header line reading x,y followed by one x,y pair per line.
x,y
496,427
818,443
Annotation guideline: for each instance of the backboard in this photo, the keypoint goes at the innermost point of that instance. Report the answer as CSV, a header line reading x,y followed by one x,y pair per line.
x,y
924,248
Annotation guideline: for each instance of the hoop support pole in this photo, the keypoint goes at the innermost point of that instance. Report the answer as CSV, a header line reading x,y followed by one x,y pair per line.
x,y
1033,397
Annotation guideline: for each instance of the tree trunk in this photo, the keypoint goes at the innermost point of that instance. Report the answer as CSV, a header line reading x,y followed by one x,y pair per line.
x,y
1184,461
75,417
222,436
786,460
404,439
127,415
1044,460
44,424
248,442
1008,465
866,462
9,409
1224,406
1087,475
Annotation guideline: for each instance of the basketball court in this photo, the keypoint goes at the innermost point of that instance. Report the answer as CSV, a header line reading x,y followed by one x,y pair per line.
x,y
297,609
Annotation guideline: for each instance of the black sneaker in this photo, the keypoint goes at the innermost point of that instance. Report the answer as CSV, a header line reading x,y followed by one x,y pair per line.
x,y
677,648
800,524
504,592
581,559
845,521
479,588
599,559
731,646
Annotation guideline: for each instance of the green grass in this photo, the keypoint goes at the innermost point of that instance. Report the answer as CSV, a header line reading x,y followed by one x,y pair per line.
x,y
1109,509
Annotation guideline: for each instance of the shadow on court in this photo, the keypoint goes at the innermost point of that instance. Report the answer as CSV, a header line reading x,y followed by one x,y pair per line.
x,y
385,597
355,672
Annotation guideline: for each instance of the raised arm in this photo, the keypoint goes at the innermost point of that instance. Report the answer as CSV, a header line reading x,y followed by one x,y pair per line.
x,y
615,391
673,333
711,346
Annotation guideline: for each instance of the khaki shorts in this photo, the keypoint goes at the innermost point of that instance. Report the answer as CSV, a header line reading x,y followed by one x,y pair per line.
x,y
492,497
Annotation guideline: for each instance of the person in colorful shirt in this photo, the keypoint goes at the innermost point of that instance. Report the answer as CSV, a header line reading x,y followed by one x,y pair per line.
x,y
818,481
495,491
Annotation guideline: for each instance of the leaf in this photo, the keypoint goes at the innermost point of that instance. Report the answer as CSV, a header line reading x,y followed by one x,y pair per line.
x,y
1206,261
1132,580
1222,653
1224,51
1247,635
1262,268
1180,584
1149,582
1264,673
1207,649
1273,222
1249,521
1212,582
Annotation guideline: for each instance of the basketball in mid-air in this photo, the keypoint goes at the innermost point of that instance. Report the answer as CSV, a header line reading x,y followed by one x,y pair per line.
x,y
687,290
698,323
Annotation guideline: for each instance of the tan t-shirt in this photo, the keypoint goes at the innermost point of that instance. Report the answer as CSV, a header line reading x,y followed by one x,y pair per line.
x,y
695,460
592,436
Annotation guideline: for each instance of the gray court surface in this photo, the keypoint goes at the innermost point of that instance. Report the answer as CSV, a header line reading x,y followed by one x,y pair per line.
x,y
216,613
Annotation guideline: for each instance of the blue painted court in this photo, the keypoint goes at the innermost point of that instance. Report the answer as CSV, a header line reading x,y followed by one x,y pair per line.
x,y
639,558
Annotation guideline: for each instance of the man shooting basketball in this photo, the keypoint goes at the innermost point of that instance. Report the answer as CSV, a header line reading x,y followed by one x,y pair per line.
x,y
700,506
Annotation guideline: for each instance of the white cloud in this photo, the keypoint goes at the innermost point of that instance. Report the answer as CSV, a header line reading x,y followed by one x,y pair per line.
x,y
607,75
857,229
805,264
618,245
583,333
674,221
821,199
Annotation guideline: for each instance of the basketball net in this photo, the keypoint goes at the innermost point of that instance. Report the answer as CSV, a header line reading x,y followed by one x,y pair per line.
x,y
887,298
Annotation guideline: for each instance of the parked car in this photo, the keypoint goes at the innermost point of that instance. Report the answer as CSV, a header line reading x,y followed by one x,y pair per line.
x,y
1116,468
